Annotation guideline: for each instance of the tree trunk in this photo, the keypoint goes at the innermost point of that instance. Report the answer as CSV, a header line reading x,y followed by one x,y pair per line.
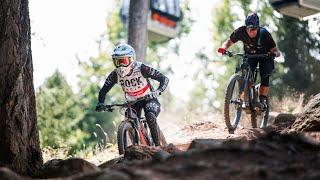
x,y
19,138
137,29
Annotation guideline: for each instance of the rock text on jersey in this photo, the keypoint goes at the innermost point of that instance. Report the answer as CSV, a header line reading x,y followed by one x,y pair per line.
x,y
132,82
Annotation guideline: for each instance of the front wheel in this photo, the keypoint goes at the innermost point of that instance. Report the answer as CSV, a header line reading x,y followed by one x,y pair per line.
x,y
125,136
233,102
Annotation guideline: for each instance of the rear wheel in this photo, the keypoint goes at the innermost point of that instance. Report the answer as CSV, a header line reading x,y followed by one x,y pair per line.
x,y
233,103
262,117
254,119
125,136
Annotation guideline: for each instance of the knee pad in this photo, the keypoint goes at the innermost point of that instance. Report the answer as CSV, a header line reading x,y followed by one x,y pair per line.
x,y
152,123
151,117
265,80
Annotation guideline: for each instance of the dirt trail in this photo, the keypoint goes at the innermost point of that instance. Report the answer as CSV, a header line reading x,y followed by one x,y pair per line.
x,y
215,130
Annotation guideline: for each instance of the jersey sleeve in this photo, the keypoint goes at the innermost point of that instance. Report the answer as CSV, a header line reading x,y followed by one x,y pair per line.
x,y
269,42
235,35
149,72
109,83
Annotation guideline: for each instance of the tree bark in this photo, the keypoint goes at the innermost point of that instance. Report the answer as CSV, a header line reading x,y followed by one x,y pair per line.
x,y
137,29
19,138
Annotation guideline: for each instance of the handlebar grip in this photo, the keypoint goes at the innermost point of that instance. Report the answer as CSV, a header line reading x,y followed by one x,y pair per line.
x,y
229,53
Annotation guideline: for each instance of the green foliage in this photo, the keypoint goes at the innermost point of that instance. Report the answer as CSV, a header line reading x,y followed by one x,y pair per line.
x,y
223,22
298,45
59,115
187,20
93,74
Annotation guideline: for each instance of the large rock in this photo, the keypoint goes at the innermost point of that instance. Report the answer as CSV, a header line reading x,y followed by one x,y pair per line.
x,y
309,121
141,152
7,174
62,168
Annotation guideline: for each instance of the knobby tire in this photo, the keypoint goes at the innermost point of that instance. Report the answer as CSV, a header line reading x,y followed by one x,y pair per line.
x,y
125,128
235,79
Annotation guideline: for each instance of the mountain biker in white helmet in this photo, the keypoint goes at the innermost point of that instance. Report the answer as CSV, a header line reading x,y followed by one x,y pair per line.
x,y
256,40
133,76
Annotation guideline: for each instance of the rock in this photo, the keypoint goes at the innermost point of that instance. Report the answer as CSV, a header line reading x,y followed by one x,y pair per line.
x,y
62,168
105,174
309,121
171,149
284,117
7,174
160,156
112,162
142,152
204,143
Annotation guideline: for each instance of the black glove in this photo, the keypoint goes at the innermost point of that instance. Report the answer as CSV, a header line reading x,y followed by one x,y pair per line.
x,y
154,94
271,55
100,107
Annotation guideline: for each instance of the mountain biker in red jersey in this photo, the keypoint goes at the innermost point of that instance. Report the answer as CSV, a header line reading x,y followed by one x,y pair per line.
x,y
133,76
256,40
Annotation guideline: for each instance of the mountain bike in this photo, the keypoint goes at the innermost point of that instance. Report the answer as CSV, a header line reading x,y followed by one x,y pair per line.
x,y
242,94
134,129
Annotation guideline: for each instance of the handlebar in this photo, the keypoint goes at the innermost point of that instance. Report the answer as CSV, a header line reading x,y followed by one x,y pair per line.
x,y
244,55
127,104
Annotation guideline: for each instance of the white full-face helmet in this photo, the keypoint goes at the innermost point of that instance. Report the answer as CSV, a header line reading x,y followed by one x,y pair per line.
x,y
123,57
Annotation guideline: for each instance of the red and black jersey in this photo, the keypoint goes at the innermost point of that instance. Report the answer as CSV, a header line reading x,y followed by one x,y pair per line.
x,y
136,84
260,44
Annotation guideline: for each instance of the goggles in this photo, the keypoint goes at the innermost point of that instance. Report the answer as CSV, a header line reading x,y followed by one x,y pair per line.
x,y
121,61
252,29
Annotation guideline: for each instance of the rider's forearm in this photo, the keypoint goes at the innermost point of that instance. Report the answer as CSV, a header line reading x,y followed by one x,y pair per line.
x,y
149,72
164,81
109,83
276,51
228,43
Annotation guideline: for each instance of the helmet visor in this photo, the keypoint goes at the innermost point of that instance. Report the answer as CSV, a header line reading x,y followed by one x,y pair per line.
x,y
251,25
121,61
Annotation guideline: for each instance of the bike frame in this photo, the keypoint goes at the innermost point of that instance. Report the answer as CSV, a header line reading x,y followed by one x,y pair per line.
x,y
249,77
138,126
137,122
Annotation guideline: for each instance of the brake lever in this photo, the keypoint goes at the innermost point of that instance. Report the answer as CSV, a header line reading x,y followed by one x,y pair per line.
x,y
110,109
228,53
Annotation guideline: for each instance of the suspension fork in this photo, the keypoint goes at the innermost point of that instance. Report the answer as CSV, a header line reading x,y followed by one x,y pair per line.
x,y
138,133
243,88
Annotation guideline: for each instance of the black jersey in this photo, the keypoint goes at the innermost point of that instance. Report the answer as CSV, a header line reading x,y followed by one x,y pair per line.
x,y
260,44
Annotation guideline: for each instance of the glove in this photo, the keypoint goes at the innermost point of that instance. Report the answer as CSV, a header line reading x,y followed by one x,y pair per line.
x,y
154,94
100,107
222,50
271,55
